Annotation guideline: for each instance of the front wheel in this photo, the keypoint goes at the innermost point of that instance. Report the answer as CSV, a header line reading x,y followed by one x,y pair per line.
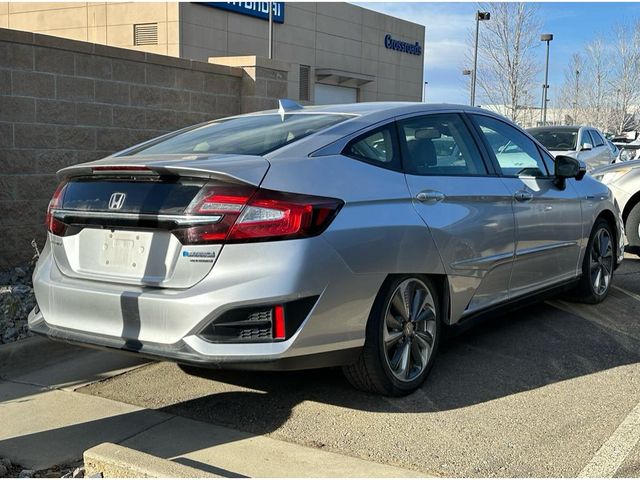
x,y
598,265
402,338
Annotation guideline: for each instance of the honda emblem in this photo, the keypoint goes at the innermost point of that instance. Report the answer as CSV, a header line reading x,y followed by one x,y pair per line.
x,y
117,201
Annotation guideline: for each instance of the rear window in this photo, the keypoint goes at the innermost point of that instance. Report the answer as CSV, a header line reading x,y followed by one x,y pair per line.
x,y
558,140
250,135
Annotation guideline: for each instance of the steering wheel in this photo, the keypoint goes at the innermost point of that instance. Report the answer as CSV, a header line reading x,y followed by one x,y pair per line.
x,y
563,145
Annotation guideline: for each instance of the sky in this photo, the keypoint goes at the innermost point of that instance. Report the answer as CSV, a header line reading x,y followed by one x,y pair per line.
x,y
448,27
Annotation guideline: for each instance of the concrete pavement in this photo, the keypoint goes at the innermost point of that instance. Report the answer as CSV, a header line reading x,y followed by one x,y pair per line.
x,y
46,422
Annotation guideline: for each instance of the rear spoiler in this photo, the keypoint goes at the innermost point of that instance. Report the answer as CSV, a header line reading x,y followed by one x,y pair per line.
x,y
243,169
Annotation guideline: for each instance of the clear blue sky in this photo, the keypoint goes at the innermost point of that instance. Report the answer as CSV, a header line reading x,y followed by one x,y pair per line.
x,y
447,30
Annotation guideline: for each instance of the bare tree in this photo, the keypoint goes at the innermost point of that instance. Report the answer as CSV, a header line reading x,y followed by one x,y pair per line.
x,y
571,100
625,80
597,92
507,67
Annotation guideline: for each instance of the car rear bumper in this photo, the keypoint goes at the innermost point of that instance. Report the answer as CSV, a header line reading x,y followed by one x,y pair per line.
x,y
166,323
182,353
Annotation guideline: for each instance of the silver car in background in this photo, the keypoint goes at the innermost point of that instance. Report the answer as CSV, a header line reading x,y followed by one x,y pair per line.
x,y
587,144
344,235
624,181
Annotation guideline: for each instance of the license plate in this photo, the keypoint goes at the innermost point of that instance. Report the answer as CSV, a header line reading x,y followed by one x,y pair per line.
x,y
125,251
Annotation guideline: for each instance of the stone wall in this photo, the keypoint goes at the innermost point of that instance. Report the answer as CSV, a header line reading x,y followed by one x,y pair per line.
x,y
64,102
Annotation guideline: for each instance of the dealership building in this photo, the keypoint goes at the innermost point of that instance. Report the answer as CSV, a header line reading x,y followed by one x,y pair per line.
x,y
332,52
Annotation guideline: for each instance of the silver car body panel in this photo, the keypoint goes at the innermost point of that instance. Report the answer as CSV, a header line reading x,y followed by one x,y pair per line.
x,y
486,247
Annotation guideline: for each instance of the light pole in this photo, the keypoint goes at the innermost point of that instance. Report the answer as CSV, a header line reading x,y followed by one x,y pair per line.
x,y
575,110
545,37
424,92
480,16
270,30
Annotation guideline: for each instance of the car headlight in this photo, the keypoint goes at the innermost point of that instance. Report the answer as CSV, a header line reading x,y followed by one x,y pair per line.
x,y
610,177
626,155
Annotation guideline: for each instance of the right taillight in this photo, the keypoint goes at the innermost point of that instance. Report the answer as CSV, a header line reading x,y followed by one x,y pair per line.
x,y
249,215
54,225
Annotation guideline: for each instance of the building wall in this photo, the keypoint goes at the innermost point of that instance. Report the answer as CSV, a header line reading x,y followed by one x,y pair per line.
x,y
109,23
322,35
64,102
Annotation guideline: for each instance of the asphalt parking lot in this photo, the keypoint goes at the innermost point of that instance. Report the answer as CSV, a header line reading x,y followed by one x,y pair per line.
x,y
549,390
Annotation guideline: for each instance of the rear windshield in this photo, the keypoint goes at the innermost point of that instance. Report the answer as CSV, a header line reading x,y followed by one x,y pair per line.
x,y
250,135
558,140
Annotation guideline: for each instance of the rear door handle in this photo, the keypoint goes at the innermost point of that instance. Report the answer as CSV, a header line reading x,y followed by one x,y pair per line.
x,y
430,196
523,196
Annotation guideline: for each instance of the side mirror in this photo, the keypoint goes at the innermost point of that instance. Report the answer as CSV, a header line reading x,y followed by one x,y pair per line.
x,y
568,167
586,146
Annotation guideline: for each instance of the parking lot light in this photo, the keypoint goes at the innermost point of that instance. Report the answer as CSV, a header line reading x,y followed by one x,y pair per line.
x,y
545,37
480,17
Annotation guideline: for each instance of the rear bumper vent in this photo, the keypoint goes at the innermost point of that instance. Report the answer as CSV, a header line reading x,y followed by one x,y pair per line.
x,y
259,324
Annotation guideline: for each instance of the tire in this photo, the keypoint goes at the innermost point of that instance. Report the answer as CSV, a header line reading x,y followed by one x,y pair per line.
x,y
598,265
631,229
412,336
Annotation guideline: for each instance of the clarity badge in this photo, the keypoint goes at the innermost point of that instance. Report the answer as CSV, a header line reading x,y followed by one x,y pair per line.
x,y
199,256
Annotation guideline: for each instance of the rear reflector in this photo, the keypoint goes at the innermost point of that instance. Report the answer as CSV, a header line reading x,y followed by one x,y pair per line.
x,y
250,215
279,332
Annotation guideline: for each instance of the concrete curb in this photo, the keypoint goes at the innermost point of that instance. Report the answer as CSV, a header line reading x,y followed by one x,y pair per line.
x,y
116,461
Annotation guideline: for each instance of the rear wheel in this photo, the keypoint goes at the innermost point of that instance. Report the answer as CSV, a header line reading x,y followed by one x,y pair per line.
x,y
598,265
631,229
402,338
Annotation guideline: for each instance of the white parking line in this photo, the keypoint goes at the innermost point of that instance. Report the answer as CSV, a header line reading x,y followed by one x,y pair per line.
x,y
635,296
616,449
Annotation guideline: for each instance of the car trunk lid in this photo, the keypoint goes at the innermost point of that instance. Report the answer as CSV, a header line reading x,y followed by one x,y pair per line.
x,y
124,220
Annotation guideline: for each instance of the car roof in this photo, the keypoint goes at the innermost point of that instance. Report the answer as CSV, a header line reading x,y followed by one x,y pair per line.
x,y
558,128
366,108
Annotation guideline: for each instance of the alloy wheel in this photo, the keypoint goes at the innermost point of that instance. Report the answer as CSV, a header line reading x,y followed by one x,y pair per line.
x,y
409,329
601,264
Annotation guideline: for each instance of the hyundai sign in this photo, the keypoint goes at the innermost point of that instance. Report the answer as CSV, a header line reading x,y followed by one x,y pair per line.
x,y
254,9
393,44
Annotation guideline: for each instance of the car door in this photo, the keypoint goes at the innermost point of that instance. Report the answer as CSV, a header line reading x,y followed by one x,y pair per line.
x,y
602,151
589,155
465,205
548,217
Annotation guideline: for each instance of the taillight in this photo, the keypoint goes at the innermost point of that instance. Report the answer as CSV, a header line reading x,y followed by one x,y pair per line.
x,y
54,225
249,215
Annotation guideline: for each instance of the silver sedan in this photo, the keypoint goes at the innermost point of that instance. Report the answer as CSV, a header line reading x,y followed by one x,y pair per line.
x,y
347,235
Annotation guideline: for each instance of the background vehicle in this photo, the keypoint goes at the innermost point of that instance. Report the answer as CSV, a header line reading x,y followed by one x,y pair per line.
x,y
584,143
307,237
624,181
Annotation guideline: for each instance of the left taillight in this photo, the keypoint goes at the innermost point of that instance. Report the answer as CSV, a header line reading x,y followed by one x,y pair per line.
x,y
54,225
248,214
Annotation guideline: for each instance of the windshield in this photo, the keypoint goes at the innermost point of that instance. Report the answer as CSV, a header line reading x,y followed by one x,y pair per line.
x,y
250,135
559,140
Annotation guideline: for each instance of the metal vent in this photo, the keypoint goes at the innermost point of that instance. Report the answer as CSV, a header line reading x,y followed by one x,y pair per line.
x,y
305,74
145,34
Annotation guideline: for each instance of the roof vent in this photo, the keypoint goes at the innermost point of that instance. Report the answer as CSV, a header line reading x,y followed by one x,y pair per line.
x,y
145,34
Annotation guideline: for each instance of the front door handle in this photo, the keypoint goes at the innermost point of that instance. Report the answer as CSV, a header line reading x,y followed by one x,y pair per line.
x,y
523,196
430,196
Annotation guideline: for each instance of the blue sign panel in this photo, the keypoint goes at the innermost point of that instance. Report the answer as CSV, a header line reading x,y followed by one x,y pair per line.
x,y
393,44
255,9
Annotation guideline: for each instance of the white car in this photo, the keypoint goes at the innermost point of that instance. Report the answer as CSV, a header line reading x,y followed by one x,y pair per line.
x,y
583,143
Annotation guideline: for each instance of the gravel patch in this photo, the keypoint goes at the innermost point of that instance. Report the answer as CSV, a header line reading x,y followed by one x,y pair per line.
x,y
16,301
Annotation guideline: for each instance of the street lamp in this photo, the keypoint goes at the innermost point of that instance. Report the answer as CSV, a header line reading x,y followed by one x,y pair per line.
x,y
545,37
424,92
480,16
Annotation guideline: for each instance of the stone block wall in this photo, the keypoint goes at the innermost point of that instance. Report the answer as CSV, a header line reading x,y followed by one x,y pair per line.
x,y
64,102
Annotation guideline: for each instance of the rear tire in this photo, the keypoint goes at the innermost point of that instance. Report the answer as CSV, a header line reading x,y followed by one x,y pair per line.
x,y
598,265
631,229
402,338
